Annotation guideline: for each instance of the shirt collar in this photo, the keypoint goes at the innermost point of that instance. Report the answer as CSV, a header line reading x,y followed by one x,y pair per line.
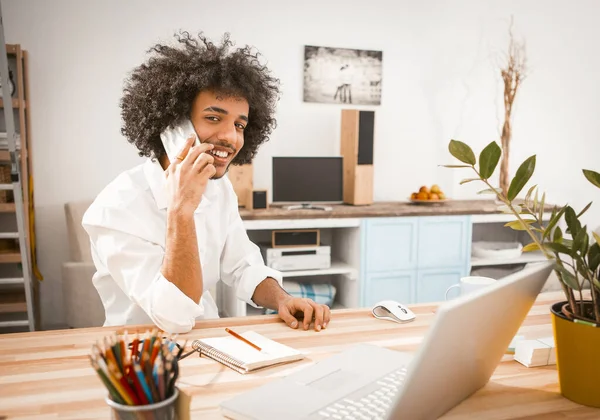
x,y
155,175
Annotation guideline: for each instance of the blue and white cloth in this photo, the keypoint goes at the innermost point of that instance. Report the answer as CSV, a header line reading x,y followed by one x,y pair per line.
x,y
321,293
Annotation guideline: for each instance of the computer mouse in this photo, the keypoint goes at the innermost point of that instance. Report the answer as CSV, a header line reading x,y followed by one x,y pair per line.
x,y
393,311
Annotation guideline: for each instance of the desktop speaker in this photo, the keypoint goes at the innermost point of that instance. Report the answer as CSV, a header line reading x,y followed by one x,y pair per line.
x,y
356,147
259,200
295,237
242,179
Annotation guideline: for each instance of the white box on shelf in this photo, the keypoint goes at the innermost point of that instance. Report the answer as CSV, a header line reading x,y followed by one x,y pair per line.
x,y
297,258
496,250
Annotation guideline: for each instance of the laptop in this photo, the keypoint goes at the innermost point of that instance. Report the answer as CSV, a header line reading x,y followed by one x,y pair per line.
x,y
458,355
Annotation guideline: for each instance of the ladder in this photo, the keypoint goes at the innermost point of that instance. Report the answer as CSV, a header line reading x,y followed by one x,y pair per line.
x,y
16,187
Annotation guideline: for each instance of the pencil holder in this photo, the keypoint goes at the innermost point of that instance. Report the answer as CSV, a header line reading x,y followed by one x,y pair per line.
x,y
163,410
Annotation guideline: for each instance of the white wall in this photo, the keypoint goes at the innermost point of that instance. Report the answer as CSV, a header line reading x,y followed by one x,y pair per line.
x,y
440,81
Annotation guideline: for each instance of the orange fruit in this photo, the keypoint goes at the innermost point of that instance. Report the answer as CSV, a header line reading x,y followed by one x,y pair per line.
x,y
434,196
422,196
424,189
413,196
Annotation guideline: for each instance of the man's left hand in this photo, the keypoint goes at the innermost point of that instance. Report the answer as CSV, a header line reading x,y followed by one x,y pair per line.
x,y
310,310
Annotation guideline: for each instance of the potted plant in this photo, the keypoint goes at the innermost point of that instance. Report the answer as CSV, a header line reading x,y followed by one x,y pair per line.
x,y
576,252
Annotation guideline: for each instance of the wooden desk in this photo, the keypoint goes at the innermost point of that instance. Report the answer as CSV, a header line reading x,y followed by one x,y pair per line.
x,y
47,374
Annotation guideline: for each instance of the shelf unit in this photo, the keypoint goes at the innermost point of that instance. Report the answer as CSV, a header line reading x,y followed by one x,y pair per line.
x,y
491,228
18,270
528,257
342,234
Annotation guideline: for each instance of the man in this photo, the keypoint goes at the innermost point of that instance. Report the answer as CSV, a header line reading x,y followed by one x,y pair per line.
x,y
165,232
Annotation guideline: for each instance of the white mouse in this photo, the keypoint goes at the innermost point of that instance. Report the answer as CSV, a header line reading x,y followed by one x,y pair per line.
x,y
393,311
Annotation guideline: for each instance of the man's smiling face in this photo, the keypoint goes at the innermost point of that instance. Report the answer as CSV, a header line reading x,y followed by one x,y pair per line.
x,y
221,121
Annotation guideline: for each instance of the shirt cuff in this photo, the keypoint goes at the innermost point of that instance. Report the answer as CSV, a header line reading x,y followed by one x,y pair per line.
x,y
251,278
169,308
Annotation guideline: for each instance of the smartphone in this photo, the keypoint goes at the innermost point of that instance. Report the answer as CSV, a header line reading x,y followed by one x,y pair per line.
x,y
174,138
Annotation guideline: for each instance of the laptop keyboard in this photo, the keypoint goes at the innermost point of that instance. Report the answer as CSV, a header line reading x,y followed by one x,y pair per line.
x,y
368,403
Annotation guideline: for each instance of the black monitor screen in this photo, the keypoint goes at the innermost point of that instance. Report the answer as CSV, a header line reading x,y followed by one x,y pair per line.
x,y
307,179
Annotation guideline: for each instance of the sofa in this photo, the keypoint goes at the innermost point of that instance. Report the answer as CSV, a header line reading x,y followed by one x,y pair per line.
x,y
83,307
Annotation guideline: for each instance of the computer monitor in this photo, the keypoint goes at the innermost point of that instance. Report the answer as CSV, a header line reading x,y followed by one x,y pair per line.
x,y
308,180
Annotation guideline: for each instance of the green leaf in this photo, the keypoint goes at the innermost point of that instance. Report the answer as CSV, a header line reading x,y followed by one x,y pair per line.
x,y
507,210
521,177
586,208
593,177
456,166
464,181
517,225
572,221
554,221
542,204
596,283
581,268
560,248
596,237
558,235
579,241
489,191
568,278
462,152
528,196
535,201
568,243
594,257
531,247
488,160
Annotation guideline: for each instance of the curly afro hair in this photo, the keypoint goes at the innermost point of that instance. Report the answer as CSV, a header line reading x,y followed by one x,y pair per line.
x,y
160,92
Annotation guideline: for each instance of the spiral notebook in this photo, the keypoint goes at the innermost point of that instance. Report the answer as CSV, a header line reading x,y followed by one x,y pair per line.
x,y
244,358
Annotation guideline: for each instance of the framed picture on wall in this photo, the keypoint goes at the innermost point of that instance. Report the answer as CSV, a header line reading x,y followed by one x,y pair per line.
x,y
342,76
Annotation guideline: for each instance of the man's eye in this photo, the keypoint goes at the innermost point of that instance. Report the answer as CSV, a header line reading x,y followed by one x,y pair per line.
x,y
212,118
241,126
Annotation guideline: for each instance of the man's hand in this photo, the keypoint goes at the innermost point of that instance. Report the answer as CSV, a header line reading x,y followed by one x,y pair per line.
x,y
310,310
188,175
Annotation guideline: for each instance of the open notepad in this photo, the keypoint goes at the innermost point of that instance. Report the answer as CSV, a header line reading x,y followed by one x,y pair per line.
x,y
244,358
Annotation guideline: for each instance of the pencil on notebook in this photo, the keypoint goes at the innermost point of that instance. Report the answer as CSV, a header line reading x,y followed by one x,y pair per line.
x,y
239,337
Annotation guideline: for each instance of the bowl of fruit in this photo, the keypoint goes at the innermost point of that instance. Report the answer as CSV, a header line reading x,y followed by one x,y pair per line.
x,y
428,196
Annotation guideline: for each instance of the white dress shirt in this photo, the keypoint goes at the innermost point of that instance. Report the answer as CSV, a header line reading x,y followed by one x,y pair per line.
x,y
127,227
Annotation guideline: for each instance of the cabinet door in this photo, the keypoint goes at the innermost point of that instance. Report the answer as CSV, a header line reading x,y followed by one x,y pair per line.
x,y
444,241
398,286
389,244
433,283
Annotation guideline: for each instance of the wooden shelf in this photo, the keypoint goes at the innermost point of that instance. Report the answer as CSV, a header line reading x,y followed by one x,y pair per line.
x,y
7,207
16,103
12,301
10,257
337,267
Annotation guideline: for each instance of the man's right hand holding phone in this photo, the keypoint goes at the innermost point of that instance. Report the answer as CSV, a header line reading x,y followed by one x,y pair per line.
x,y
188,175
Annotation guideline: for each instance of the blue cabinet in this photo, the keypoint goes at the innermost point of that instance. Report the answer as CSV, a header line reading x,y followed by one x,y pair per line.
x,y
413,259
395,285
390,244
432,283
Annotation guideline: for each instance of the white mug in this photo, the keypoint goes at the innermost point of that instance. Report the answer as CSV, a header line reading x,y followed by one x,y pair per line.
x,y
471,284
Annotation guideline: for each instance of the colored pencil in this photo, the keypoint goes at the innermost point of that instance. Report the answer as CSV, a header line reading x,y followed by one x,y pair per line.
x,y
140,374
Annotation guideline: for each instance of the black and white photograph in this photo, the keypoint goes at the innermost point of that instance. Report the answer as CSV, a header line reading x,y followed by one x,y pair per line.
x,y
342,75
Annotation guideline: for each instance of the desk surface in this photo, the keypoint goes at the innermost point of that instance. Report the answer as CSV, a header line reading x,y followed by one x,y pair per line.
x,y
46,373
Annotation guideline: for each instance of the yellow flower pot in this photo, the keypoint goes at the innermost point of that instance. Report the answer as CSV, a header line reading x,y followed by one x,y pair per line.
x,y
577,358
